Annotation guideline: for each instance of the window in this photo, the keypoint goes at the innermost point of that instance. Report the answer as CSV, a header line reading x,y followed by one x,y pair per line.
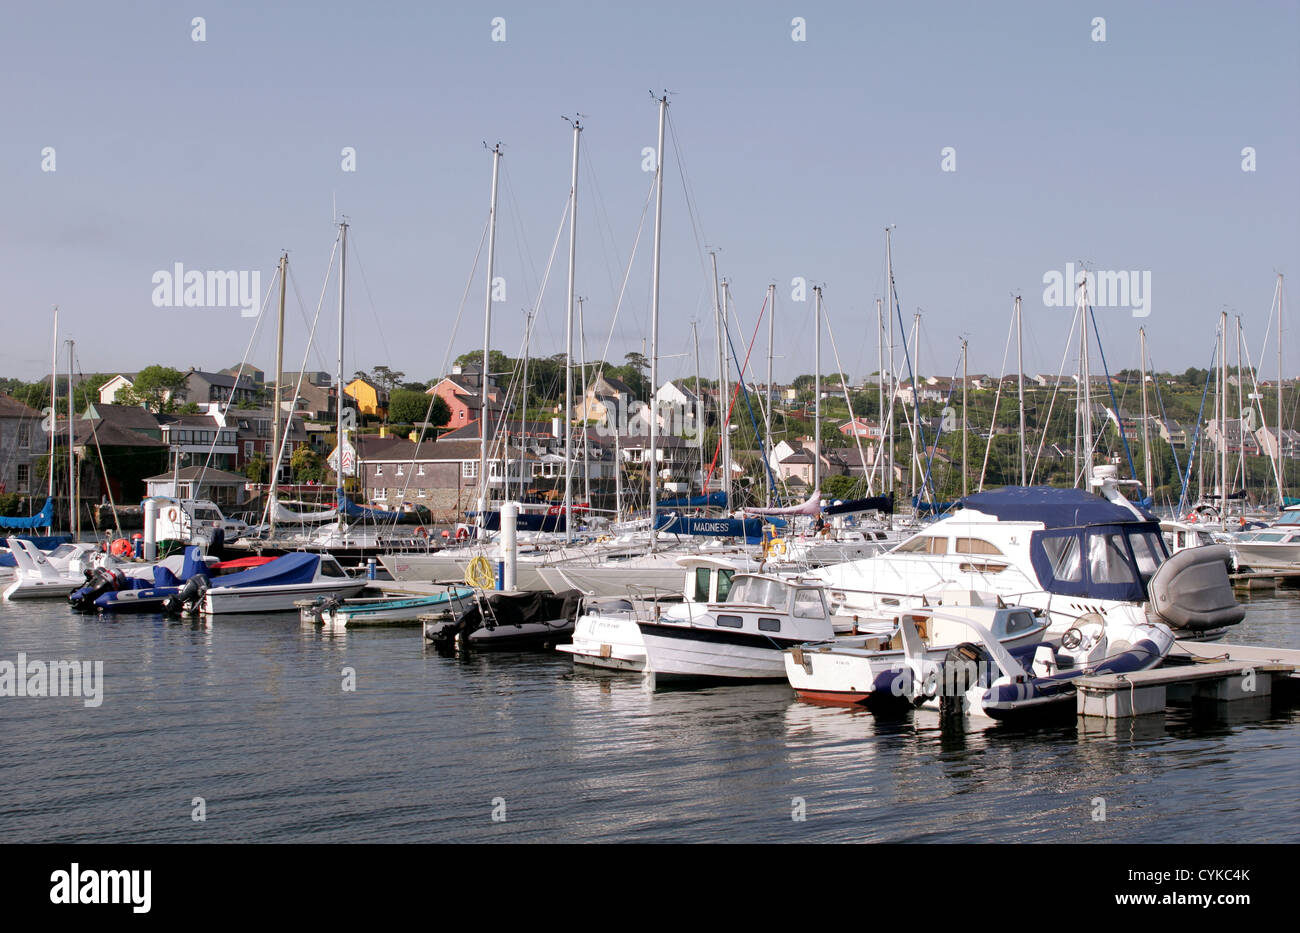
x,y
379,470
1108,559
248,450
24,435
702,575
731,621
1147,551
808,605
923,544
399,470
24,476
1020,621
974,546
469,469
420,470
769,625
724,583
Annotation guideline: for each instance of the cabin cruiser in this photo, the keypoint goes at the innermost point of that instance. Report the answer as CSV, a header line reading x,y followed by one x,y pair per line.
x,y
1275,547
859,669
1074,555
607,634
743,637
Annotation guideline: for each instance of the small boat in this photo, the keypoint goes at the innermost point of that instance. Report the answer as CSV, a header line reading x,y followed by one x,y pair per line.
x,y
1275,547
117,586
273,587
984,678
497,621
864,668
389,610
38,575
607,634
744,637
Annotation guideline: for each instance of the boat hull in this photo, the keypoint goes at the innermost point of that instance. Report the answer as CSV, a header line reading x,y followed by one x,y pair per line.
x,y
232,600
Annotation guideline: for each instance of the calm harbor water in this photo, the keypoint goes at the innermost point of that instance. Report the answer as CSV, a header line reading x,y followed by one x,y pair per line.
x,y
250,714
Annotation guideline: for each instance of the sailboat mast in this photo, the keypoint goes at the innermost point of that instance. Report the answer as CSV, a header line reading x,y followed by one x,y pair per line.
x,y
1242,464
915,352
1281,480
653,467
343,285
699,406
481,516
275,405
1223,418
817,392
1020,370
889,312
1146,430
54,411
767,417
568,341
880,373
725,382
965,381
1086,387
586,439
523,408
74,523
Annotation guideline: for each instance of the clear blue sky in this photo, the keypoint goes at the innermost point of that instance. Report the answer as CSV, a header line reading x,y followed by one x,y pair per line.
x,y
1124,153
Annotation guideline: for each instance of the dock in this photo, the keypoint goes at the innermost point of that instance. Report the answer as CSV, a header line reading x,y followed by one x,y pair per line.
x,y
1264,579
1141,693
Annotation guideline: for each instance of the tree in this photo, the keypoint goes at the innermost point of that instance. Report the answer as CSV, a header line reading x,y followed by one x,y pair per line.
x,y
408,407
386,378
155,388
307,465
256,468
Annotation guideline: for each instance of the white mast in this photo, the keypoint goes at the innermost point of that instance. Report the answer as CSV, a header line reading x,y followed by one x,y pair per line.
x,y
586,439
654,321
889,312
965,381
1280,476
54,412
74,522
1146,431
275,405
481,517
1223,418
915,353
817,391
699,405
880,367
1085,387
1020,368
343,285
767,415
568,340
724,381
523,408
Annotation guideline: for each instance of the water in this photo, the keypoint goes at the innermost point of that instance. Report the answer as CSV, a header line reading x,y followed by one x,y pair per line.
x,y
250,714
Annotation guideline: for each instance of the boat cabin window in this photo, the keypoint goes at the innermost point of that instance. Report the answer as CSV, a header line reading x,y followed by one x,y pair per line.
x,y
1107,560
974,546
329,567
207,515
724,584
808,605
1019,621
757,591
769,625
1148,551
701,585
1063,552
923,544
731,621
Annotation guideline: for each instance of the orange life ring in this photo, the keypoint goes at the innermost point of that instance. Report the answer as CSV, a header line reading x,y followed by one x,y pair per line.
x,y
462,534
171,515
422,532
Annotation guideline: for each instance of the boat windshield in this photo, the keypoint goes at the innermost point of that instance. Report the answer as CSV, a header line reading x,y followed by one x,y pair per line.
x,y
757,591
1099,561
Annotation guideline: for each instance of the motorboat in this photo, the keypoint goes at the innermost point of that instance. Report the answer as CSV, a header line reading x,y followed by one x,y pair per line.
x,y
38,575
500,621
273,587
333,612
743,637
1275,547
1072,554
607,635
985,678
860,669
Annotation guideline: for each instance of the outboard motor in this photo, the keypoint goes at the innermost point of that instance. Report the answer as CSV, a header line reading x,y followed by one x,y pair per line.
x,y
102,580
964,666
190,596
1191,592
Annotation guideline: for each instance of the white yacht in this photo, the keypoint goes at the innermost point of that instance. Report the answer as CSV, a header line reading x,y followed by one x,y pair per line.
x,y
1071,554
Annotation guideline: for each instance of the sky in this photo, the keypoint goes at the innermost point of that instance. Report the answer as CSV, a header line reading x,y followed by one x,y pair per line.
x,y
1000,140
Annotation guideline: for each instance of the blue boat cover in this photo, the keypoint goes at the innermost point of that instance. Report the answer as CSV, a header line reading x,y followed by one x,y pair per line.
x,y
873,503
714,499
1055,508
42,519
287,570
352,510
750,528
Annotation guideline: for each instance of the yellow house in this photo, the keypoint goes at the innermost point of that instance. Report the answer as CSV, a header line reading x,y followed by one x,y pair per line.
x,y
370,399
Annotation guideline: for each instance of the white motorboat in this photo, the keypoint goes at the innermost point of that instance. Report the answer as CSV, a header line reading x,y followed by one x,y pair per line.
x,y
38,575
1276,547
743,637
1067,552
607,634
388,610
275,586
859,669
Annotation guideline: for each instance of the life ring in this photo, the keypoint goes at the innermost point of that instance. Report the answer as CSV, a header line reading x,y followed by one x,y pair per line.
x,y
171,515
462,534
776,546
422,532
480,573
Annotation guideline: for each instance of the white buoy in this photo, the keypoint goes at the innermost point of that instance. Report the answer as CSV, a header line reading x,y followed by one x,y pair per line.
x,y
150,529
509,544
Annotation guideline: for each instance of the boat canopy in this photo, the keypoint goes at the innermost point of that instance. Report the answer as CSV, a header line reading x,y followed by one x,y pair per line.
x,y
290,569
1055,508
42,519
1105,561
715,499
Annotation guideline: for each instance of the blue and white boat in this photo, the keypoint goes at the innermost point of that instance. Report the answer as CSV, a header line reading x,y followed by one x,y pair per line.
x,y
389,610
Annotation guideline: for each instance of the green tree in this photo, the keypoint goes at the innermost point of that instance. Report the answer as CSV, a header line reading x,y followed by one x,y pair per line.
x,y
387,379
257,468
156,388
307,465
408,407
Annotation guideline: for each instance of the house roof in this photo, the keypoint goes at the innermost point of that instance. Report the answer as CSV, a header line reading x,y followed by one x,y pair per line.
x,y
131,417
12,408
189,474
